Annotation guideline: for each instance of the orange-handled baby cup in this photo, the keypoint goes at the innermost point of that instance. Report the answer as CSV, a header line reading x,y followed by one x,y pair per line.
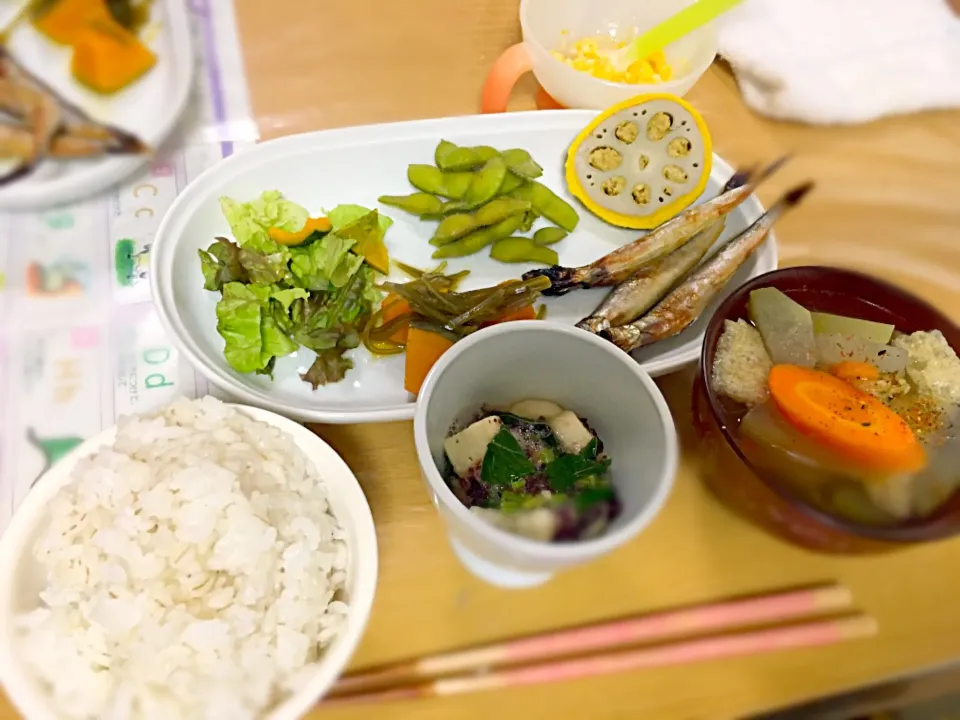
x,y
546,24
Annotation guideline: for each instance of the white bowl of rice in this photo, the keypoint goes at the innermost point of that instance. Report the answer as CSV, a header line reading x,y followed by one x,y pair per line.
x,y
205,561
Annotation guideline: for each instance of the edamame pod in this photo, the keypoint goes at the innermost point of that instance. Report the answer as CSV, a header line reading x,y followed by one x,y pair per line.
x,y
486,183
484,152
510,183
454,227
437,182
546,203
529,218
479,239
420,203
448,156
522,250
548,236
521,163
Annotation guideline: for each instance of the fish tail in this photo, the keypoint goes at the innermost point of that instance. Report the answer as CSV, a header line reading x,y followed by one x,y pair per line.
x,y
794,196
744,176
741,190
739,248
772,168
789,199
738,179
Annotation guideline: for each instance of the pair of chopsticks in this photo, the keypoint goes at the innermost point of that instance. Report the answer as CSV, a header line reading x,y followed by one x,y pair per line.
x,y
562,655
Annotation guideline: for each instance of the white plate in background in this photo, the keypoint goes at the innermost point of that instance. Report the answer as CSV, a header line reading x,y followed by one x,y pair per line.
x,y
149,108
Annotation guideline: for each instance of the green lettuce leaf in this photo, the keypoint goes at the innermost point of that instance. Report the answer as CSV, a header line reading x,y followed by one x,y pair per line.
x,y
323,322
238,322
250,221
286,296
343,215
325,263
282,307
275,341
254,333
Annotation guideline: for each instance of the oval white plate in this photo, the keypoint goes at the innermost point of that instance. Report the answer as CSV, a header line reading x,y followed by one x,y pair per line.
x,y
149,108
20,580
356,165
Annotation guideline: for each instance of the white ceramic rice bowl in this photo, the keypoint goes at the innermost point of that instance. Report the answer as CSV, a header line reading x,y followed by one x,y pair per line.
x,y
20,582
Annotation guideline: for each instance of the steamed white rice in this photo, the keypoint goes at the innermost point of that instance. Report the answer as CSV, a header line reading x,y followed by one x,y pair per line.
x,y
193,570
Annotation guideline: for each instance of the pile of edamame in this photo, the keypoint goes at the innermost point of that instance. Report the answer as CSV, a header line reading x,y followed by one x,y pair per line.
x,y
484,197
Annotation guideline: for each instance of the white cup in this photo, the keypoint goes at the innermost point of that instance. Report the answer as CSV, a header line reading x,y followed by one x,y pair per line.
x,y
545,23
580,372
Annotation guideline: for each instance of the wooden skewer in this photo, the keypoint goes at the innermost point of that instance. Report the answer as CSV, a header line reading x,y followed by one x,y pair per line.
x,y
701,619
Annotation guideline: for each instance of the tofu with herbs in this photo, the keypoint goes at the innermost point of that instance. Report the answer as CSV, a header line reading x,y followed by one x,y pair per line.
x,y
467,447
533,468
533,409
570,431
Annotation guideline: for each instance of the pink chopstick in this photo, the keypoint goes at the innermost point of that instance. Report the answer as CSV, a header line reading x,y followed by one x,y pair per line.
x,y
702,619
811,634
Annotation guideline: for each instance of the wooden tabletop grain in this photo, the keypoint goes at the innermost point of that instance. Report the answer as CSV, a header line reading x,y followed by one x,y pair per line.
x,y
885,203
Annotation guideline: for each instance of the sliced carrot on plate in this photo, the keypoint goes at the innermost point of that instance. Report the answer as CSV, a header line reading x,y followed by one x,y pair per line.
x,y
853,423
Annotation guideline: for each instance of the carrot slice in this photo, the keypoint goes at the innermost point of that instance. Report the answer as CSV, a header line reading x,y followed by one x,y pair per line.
x,y
524,313
853,370
394,306
854,424
424,348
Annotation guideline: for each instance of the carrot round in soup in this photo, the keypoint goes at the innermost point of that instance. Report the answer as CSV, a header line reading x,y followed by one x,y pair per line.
x,y
853,423
853,370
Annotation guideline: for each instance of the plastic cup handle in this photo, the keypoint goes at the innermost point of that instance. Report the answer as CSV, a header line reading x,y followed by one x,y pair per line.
x,y
513,64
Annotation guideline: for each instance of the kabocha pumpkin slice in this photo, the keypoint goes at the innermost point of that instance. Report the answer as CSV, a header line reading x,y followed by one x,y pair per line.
x,y
641,162
425,344
63,21
107,58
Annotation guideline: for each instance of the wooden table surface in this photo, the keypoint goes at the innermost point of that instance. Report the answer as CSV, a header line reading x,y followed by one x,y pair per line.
x,y
883,204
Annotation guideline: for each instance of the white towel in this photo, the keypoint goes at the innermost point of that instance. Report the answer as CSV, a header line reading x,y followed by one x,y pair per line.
x,y
843,61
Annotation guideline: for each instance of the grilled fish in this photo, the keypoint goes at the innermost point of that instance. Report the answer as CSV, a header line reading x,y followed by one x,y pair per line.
x,y
48,124
617,266
684,305
647,286
642,290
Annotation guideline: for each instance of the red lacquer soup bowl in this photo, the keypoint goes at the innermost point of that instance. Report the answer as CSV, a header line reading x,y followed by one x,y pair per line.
x,y
759,495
